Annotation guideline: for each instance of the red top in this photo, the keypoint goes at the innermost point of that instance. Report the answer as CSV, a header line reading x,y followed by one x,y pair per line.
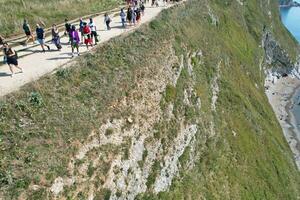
x,y
86,30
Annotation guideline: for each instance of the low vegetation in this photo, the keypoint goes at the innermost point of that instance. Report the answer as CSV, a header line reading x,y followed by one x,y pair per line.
x,y
13,12
239,151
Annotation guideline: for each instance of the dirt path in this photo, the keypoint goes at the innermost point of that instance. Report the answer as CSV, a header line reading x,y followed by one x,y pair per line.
x,y
36,64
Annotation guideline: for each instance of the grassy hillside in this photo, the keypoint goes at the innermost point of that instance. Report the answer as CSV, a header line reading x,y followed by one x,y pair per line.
x,y
238,151
13,12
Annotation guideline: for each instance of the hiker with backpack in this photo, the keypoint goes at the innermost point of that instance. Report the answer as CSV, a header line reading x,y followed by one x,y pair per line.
x,y
107,21
11,58
27,31
75,40
87,35
40,34
56,37
94,34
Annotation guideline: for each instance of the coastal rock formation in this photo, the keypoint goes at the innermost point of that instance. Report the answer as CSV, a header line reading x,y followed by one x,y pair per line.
x,y
275,56
288,3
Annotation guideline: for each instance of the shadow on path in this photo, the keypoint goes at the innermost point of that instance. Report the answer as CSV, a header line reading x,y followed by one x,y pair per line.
x,y
60,58
4,74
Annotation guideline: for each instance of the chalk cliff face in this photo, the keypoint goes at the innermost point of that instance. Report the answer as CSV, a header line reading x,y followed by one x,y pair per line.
x,y
176,110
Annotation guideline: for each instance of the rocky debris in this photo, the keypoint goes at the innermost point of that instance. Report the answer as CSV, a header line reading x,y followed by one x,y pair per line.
x,y
215,88
274,54
127,176
170,166
240,2
215,92
130,120
169,111
214,19
234,133
57,186
280,82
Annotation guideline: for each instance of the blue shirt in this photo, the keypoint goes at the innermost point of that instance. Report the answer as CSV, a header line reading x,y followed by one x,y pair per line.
x,y
40,33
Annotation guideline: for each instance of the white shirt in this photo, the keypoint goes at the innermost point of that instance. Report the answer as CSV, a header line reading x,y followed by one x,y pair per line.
x,y
92,26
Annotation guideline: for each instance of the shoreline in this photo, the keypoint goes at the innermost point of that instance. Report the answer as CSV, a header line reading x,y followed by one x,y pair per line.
x,y
289,6
281,92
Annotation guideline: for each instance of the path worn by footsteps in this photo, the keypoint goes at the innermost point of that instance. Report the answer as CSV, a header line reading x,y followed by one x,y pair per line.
x,y
38,64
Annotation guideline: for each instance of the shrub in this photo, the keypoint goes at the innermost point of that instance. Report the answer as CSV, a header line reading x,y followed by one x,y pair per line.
x,y
35,99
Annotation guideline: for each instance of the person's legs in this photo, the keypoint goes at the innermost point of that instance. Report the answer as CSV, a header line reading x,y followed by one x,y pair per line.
x,y
11,69
107,25
92,36
72,50
77,47
48,47
81,34
42,45
27,39
86,44
32,37
20,68
123,23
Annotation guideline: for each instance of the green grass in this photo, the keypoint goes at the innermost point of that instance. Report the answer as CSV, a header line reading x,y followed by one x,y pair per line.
x,y
13,12
41,125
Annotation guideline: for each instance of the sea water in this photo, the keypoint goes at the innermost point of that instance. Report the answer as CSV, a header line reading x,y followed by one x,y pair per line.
x,y
291,19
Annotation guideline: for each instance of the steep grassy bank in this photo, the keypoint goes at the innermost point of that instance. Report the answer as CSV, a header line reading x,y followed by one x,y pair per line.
x,y
176,110
13,12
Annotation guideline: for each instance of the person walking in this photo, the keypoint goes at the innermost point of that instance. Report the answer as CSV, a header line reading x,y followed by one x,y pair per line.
x,y
138,14
11,58
94,34
129,15
123,18
75,40
56,37
68,29
107,21
133,10
87,35
142,7
81,28
40,34
27,31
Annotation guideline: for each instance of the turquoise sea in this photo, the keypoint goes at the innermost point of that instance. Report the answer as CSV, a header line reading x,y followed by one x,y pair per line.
x,y
291,19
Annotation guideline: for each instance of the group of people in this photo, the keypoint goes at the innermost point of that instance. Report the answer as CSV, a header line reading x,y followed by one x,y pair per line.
x,y
85,34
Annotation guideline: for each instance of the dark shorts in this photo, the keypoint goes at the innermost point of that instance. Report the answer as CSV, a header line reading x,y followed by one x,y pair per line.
x,y
28,33
12,60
